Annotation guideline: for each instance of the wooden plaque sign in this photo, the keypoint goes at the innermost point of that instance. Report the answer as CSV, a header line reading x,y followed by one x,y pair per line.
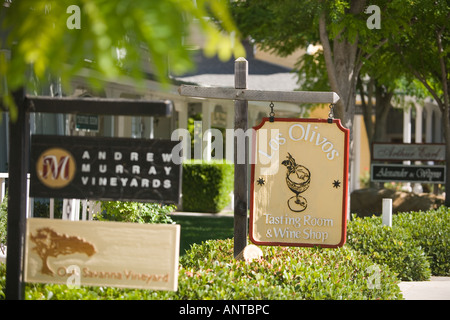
x,y
104,169
98,253
408,151
299,183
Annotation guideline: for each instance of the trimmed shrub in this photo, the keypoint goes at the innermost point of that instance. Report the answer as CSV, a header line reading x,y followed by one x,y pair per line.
x,y
2,281
135,212
208,271
207,186
431,231
3,218
392,247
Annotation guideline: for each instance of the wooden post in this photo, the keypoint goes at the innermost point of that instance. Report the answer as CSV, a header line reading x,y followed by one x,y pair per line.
x,y
240,169
241,95
19,141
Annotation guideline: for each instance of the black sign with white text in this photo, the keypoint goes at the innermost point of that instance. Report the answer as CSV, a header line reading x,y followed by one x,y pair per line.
x,y
104,169
407,173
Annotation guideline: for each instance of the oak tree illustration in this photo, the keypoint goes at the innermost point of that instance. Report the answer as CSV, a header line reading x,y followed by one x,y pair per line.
x,y
49,243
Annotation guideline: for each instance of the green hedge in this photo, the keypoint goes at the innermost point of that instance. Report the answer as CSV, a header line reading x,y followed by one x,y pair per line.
x,y
2,280
207,186
388,246
208,271
431,231
3,216
417,245
417,242
123,211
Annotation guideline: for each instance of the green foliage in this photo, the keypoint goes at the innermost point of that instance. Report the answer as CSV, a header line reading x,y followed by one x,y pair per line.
x,y
196,137
3,218
431,231
41,208
404,46
392,247
417,47
280,27
2,280
207,185
417,244
135,212
209,271
142,32
63,292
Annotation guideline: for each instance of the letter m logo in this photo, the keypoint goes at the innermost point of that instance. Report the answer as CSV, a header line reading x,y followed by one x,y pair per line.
x,y
51,167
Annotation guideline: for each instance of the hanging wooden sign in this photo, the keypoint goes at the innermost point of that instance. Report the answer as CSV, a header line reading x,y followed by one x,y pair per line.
x,y
299,183
104,169
98,253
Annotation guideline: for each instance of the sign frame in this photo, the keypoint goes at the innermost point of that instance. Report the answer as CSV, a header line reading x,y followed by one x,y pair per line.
x,y
407,170
345,204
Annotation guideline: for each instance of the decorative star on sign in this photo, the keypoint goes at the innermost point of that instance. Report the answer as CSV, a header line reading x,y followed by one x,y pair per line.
x,y
336,184
260,181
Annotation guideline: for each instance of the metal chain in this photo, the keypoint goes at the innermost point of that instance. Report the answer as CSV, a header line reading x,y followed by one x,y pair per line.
x,y
331,113
271,114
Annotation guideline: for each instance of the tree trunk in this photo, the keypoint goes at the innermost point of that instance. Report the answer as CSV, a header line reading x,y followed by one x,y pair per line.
x,y
382,106
445,105
376,132
367,108
446,121
343,70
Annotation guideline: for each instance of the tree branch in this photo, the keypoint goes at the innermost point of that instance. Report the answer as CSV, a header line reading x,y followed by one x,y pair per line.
x,y
327,53
429,88
422,79
324,39
368,55
366,109
443,67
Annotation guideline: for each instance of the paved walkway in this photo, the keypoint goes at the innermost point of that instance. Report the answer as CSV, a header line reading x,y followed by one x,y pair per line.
x,y
438,288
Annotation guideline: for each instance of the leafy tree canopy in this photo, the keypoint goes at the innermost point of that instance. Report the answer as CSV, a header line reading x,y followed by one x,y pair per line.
x,y
111,37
